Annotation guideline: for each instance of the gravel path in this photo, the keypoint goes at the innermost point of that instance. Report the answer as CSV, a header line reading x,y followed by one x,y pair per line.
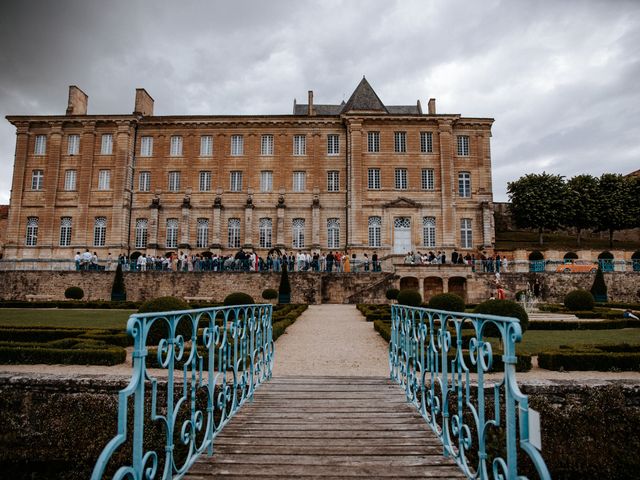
x,y
331,340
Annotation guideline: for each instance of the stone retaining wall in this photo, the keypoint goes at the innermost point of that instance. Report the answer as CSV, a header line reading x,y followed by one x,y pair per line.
x,y
55,426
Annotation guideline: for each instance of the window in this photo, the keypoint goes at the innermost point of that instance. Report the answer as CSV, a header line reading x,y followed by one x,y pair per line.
x,y
266,181
236,181
427,179
172,233
237,145
144,182
299,180
174,181
73,144
333,233
373,142
400,142
202,233
401,178
374,178
234,232
146,146
99,231
106,147
333,144
466,238
41,145
141,232
176,146
463,145
37,180
426,142
464,184
429,232
333,181
205,181
70,180
65,231
375,224
104,179
206,146
32,232
299,145
298,233
266,231
266,145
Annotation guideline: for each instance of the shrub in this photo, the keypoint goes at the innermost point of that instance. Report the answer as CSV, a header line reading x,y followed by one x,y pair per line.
x,y
74,293
410,297
269,294
599,287
579,300
238,298
118,292
592,359
383,328
160,328
285,286
447,301
37,353
392,293
503,308
520,295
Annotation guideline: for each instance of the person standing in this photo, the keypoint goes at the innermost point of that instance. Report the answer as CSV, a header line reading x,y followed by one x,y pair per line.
x,y
347,263
366,262
329,261
77,259
374,261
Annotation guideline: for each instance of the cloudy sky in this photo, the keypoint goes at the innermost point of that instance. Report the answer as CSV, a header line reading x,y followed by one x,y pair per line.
x,y
561,78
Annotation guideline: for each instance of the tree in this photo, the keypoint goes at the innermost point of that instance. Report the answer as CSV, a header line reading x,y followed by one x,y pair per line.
x,y
615,205
118,292
538,201
284,291
582,198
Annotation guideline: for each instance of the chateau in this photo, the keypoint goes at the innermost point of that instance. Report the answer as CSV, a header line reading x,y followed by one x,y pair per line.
x,y
358,176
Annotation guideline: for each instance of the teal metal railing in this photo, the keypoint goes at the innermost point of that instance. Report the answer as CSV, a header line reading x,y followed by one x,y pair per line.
x,y
211,360
442,359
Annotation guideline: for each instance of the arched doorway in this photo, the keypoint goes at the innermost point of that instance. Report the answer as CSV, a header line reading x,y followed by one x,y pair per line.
x,y
569,256
458,285
605,260
635,261
409,283
402,235
432,286
536,261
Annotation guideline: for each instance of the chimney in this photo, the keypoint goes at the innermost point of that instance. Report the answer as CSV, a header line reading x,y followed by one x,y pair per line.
x,y
432,106
144,103
77,101
419,106
311,111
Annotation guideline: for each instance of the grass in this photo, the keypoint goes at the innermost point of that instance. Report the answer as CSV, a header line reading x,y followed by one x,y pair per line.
x,y
65,318
513,239
535,341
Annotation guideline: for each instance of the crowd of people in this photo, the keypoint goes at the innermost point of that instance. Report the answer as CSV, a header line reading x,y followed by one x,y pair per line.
x,y
484,263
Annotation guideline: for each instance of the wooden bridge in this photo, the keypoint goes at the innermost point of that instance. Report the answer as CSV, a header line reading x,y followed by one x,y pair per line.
x,y
326,427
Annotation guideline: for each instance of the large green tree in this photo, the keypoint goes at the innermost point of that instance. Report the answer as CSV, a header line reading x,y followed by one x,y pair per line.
x,y
582,198
539,201
615,205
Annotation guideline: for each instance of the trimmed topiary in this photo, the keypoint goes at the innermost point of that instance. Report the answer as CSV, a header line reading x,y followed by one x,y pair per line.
x,y
118,292
163,304
74,293
160,328
599,287
284,290
447,301
579,300
392,293
238,298
409,297
269,294
503,308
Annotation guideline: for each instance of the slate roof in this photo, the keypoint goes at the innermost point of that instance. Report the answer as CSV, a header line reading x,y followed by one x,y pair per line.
x,y
363,99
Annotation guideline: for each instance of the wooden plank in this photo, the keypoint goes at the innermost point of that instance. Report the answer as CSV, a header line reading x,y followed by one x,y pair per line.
x,y
380,450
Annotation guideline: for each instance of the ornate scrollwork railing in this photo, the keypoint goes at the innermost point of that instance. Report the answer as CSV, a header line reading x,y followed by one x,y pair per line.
x,y
213,360
441,359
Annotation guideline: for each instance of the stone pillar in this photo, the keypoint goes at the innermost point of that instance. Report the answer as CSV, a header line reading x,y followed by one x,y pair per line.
x,y
315,220
487,225
421,287
121,171
217,224
185,224
447,182
248,222
355,179
280,208
16,226
47,221
82,224
154,214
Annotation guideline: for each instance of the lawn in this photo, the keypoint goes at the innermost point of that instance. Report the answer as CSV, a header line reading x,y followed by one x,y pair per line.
x,y
534,341
71,318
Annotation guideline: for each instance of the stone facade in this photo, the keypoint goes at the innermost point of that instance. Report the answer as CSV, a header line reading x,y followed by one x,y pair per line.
x,y
359,176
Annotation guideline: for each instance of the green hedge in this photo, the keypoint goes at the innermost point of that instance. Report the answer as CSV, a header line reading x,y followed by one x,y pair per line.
x,y
589,325
34,354
593,359
98,304
383,328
